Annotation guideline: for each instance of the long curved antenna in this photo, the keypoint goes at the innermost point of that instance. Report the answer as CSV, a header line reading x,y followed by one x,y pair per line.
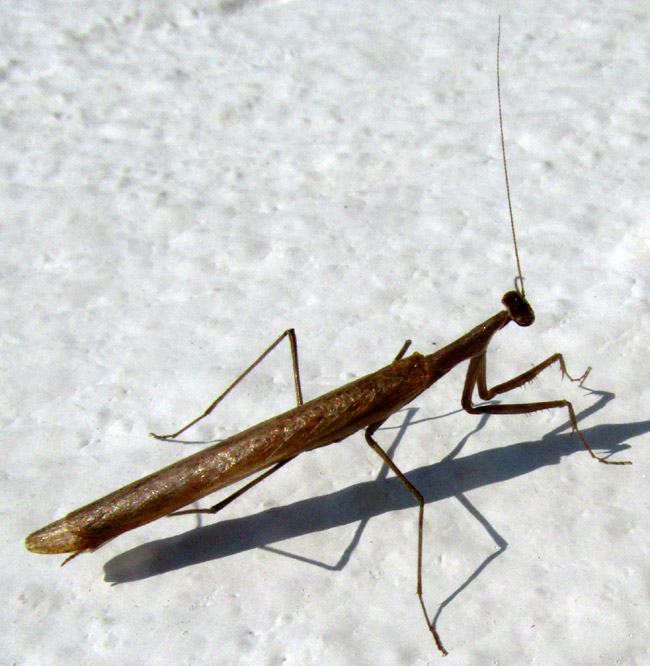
x,y
505,166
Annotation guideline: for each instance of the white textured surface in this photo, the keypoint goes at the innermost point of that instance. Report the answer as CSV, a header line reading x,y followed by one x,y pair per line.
x,y
182,182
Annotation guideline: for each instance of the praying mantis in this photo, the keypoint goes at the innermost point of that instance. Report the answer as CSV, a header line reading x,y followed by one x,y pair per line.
x,y
363,404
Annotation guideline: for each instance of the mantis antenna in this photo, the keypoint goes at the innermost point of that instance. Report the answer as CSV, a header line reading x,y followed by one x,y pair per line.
x,y
505,169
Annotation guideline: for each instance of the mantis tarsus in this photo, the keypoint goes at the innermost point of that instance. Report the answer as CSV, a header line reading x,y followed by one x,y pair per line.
x,y
362,404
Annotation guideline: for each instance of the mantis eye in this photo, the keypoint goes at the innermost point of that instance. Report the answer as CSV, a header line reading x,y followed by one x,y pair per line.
x,y
518,308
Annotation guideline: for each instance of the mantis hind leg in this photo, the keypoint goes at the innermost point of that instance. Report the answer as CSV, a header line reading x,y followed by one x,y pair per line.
x,y
476,377
291,334
296,373
231,498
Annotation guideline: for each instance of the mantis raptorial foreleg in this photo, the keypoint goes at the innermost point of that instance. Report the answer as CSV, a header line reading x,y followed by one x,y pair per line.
x,y
476,377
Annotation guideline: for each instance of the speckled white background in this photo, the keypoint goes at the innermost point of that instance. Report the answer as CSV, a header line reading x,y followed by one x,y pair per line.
x,y
184,181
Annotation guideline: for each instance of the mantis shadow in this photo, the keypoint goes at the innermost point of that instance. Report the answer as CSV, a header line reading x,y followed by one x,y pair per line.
x,y
450,477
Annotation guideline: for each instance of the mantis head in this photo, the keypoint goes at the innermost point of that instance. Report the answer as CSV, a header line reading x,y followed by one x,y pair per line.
x,y
518,308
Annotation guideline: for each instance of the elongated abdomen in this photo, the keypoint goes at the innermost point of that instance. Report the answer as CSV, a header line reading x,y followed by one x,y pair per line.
x,y
327,419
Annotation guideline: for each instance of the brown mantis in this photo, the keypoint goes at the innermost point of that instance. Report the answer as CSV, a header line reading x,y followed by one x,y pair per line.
x,y
363,404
